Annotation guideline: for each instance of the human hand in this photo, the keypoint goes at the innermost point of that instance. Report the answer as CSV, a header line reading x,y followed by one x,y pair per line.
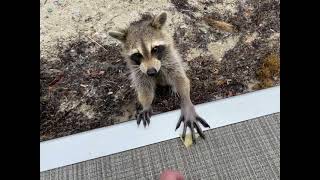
x,y
171,175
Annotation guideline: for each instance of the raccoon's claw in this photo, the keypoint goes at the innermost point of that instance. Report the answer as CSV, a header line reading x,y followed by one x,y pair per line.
x,y
144,116
192,123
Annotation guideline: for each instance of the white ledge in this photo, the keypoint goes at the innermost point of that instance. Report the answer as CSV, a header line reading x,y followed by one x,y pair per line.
x,y
125,136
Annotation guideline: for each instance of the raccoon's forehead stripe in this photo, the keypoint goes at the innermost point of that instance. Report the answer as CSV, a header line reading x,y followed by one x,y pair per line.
x,y
158,43
144,48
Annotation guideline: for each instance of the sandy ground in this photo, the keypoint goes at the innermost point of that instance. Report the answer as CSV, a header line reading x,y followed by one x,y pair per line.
x,y
231,47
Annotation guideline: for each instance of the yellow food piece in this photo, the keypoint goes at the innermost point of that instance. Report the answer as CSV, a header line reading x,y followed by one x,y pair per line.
x,y
188,139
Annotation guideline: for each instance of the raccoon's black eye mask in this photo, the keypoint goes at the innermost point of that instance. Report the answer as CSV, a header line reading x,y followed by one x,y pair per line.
x,y
136,57
158,51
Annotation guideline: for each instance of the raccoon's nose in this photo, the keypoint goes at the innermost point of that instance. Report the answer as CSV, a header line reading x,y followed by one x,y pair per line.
x,y
152,72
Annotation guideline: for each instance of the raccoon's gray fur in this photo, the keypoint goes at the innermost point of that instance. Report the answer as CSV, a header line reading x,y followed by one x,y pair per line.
x,y
153,60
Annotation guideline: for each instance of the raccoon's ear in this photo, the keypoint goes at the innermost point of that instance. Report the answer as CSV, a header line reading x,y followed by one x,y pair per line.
x,y
119,35
159,20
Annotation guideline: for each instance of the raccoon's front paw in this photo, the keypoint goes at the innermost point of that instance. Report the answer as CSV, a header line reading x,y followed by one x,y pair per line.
x,y
144,116
190,119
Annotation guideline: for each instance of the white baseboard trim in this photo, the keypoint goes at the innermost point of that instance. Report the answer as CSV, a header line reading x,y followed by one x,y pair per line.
x,y
125,136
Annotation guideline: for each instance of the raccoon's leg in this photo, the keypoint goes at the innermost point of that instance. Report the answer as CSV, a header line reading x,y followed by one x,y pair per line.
x,y
188,113
145,97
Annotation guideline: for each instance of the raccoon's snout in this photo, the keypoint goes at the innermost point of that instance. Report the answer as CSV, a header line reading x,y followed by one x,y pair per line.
x,y
152,72
150,67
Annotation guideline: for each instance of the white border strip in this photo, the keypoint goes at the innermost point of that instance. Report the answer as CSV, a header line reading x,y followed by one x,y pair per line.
x,y
125,136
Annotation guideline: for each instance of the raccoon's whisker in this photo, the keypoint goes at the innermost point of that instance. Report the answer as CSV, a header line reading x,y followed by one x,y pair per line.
x,y
138,73
136,70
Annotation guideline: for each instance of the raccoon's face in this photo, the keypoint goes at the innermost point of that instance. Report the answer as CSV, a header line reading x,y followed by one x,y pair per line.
x,y
144,44
147,55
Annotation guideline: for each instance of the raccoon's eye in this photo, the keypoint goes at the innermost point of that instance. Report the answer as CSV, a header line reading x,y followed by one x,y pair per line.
x,y
136,57
157,49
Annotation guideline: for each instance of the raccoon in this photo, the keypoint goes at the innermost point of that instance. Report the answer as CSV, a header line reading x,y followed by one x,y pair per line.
x,y
153,60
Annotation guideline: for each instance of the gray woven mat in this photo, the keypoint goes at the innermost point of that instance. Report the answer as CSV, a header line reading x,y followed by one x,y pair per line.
x,y
246,150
